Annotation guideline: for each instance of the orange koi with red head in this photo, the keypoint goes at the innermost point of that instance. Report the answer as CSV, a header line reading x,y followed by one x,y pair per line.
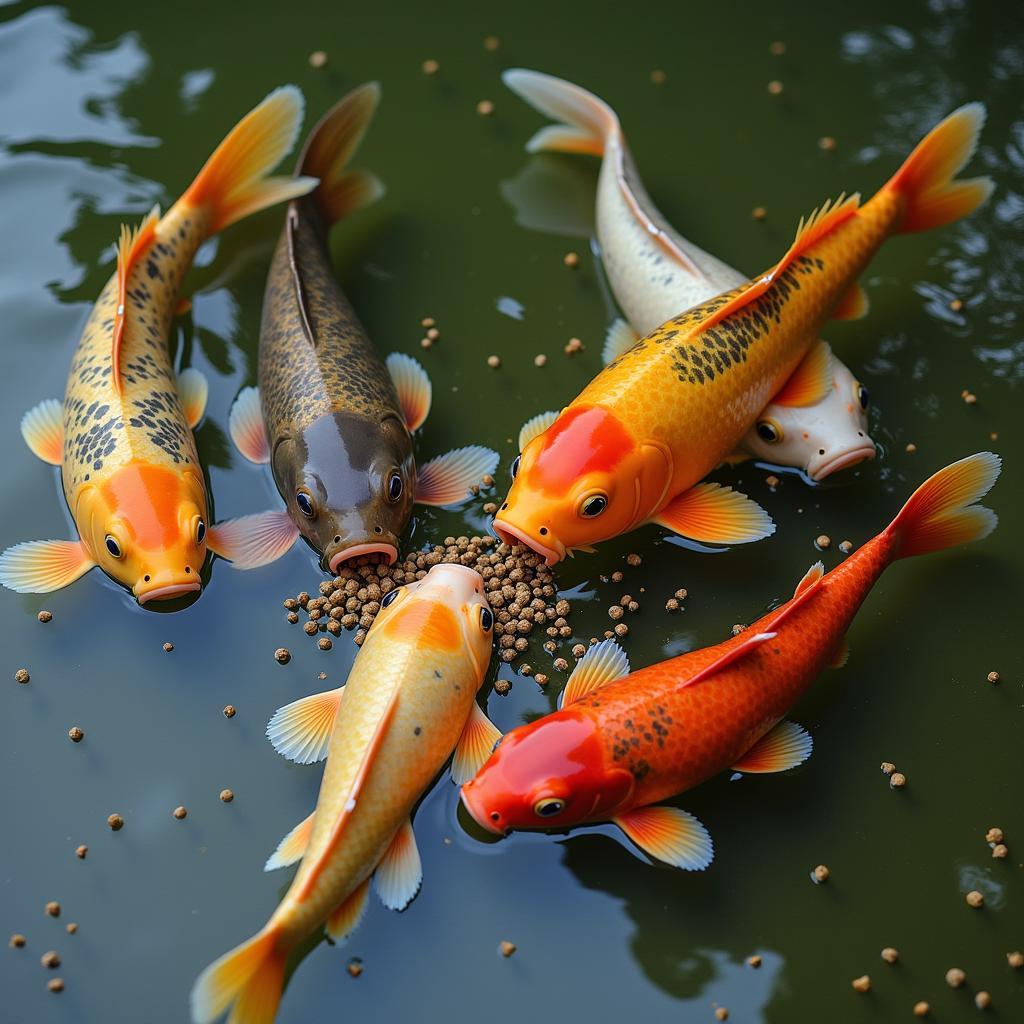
x,y
624,741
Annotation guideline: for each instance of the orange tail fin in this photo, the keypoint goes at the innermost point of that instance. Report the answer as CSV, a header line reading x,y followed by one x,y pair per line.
x,y
927,178
587,120
332,144
234,182
942,512
249,979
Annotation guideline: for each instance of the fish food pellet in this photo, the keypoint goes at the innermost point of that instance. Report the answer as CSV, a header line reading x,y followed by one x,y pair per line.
x,y
50,959
820,873
975,899
494,362
890,955
680,594
485,108
888,767
955,977
572,346
560,665
21,676
993,677
292,617
911,448
994,835
721,1013
845,546
775,87
1015,959
921,1009
1000,851
861,984
75,734
506,948
502,687
53,908
571,259
55,985
71,928
18,941
897,780
777,49
491,43
982,1000
44,616
426,343
180,813
754,961
738,628
282,656
226,796
354,967
325,643
540,360
827,143
578,650
81,852
540,679
672,605
658,77
116,822
633,559
229,711
317,59
431,67
168,647
621,629
759,213
772,481
823,541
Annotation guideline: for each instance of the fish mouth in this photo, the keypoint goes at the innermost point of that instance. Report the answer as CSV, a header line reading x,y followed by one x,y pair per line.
x,y
358,550
513,535
169,590
477,813
844,460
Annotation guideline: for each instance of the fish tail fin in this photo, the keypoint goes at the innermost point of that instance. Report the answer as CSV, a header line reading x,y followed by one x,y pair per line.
x,y
943,513
235,181
330,147
249,980
586,120
927,180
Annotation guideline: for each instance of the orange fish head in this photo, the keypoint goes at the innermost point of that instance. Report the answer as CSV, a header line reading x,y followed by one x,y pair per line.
x,y
548,774
146,528
582,481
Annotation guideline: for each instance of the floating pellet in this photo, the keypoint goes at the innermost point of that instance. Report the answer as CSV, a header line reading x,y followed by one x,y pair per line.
x,y
229,711
982,1000
226,796
317,59
75,734
506,948
888,767
759,213
994,835
633,559
55,985
540,360
494,362
754,961
658,77
21,676
827,143
82,851
993,677
571,259
168,647
282,655
485,108
50,959
71,928
897,780
179,813
775,87
823,541
430,67
975,899
491,43
820,873
116,822
921,1009
845,546
955,977
890,954
721,1013
1015,959
861,984
354,967
17,941
53,908
1000,851
44,616
911,448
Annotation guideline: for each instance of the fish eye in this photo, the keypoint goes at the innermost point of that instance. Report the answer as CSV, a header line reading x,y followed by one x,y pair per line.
x,y
548,807
200,532
486,618
112,546
769,431
593,505
389,598
305,503
863,396
395,487
515,465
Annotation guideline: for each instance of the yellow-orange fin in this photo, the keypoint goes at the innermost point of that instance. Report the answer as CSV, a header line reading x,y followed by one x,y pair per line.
x,y
301,731
42,427
618,340
842,654
942,512
246,426
781,748
733,653
251,541
475,745
669,835
413,388
810,578
293,847
234,182
534,427
811,381
713,514
193,391
130,248
42,566
249,979
853,305
344,921
447,479
602,663
399,874
927,180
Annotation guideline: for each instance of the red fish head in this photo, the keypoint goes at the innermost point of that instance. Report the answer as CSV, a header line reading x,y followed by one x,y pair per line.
x,y
584,480
548,774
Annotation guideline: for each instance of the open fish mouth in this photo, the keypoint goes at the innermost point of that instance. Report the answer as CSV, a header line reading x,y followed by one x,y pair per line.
x,y
513,535
170,590
358,550
844,460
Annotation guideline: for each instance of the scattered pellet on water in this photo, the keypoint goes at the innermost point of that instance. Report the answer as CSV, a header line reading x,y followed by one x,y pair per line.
x,y
759,213
116,822
433,334
721,1013
955,977
1000,851
487,480
911,448
633,559
226,796
168,647
44,616
777,49
490,508
428,321
230,711
506,948
969,397
494,362
282,656
845,546
772,481
890,954
975,899
888,767
956,305
354,967
754,961
53,908
738,628
993,677
50,959
1015,959
179,813
55,985
827,143
82,851
18,941
560,665
485,108
540,679
292,617
310,629
540,360
658,77
982,1000
681,594
21,676
621,629
321,675
325,643
578,651
823,541
75,734
861,984
71,928
359,637
921,1009
775,87
491,43
502,687
618,576
994,835
425,343
672,605
820,874
571,259
317,59
431,67
897,780
572,346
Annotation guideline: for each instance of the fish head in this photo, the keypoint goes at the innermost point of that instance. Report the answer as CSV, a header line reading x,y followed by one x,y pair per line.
x,y
145,526
583,480
445,611
348,481
822,438
548,774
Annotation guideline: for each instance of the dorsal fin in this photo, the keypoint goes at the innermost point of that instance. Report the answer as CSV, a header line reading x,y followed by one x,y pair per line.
x,y
728,657
809,231
810,577
130,247
291,223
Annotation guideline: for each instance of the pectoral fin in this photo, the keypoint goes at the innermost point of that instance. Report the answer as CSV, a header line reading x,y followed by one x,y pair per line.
x,y
618,340
780,749
811,381
245,424
534,427
42,566
853,305
344,921
413,387
842,655
713,514
301,731
193,390
669,835
400,873
475,745
447,479
293,846
42,427
601,664
252,541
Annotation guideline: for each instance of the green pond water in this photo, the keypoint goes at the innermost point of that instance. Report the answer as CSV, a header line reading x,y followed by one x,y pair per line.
x,y
108,108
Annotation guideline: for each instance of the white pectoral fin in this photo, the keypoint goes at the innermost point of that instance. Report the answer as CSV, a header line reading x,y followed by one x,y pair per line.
x,y
42,427
193,391
246,426
447,479
301,731
42,566
601,664
783,747
400,872
618,340
252,541
670,835
475,745
413,387
344,921
293,846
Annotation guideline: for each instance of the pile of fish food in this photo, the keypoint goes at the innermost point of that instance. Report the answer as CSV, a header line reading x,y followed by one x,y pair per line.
x,y
520,588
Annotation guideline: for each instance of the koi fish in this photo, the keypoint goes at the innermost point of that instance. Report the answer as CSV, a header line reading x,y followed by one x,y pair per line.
x,y
123,434
409,700
818,422
633,446
334,422
624,741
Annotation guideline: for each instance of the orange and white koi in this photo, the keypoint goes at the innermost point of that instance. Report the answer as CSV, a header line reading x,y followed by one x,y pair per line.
x,y
624,741
409,700
633,447
123,434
